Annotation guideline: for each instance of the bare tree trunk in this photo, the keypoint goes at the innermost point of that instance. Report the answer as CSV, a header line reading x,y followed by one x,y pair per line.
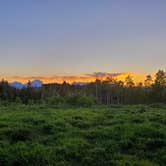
x,y
108,99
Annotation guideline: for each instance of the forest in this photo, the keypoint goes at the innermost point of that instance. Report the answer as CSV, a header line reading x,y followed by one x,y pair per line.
x,y
106,92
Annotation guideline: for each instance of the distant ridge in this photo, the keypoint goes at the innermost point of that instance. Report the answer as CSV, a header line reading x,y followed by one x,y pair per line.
x,y
36,84
19,85
80,83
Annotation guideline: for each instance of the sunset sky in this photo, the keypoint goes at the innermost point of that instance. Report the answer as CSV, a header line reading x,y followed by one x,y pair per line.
x,y
75,37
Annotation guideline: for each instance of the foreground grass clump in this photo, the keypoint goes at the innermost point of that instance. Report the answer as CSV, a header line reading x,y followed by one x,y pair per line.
x,y
97,136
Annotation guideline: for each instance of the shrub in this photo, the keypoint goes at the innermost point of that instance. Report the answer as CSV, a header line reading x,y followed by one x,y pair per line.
x,y
20,135
18,100
80,123
156,143
142,109
79,100
55,100
157,105
30,102
148,132
47,128
26,154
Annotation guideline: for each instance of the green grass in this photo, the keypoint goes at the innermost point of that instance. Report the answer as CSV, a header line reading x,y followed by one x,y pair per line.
x,y
96,136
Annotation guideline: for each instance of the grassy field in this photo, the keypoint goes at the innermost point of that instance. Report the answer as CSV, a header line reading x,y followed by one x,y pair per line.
x,y
97,136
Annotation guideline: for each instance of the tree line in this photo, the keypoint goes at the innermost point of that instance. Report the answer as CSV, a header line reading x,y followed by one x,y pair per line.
x,y
109,91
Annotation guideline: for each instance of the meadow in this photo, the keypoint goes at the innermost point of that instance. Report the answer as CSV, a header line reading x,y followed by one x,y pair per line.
x,y
96,136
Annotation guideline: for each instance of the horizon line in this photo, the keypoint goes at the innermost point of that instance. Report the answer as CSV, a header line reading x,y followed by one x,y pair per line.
x,y
137,77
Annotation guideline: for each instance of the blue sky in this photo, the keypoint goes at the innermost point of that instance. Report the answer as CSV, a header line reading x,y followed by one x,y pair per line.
x,y
72,37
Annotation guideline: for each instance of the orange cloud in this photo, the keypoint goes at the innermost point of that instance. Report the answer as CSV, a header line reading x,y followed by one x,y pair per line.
x,y
84,78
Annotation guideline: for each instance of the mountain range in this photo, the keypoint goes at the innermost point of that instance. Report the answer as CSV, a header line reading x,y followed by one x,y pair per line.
x,y
21,82
19,85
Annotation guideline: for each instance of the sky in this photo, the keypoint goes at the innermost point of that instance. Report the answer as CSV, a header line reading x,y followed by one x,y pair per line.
x,y
75,37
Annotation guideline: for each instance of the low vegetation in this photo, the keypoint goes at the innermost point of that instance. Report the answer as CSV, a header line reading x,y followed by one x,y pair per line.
x,y
95,136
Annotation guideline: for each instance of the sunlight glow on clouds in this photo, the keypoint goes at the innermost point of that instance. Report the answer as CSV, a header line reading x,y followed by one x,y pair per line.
x,y
84,78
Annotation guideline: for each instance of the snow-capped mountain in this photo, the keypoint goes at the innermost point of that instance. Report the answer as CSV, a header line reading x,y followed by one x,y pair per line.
x,y
19,85
36,84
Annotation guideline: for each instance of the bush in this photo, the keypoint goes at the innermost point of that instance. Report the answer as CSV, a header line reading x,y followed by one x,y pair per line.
x,y
79,100
30,102
18,100
20,135
142,109
55,100
47,129
26,154
157,105
79,122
